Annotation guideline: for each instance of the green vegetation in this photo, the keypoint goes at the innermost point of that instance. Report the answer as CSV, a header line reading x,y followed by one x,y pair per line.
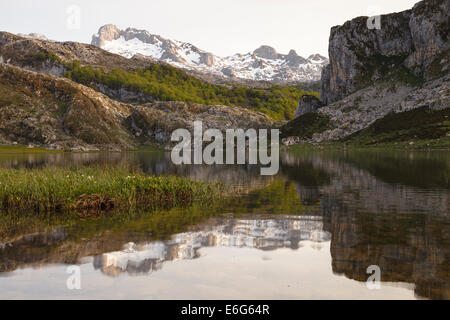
x,y
96,189
150,148
306,125
40,57
389,69
421,128
9,96
23,149
43,56
167,83
279,198
437,68
421,124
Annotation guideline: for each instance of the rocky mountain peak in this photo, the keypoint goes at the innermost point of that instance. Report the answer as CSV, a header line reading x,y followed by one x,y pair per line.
x,y
106,33
266,52
316,57
292,53
263,64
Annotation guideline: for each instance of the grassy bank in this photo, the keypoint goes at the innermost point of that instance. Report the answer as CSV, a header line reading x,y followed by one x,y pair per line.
x,y
412,144
96,189
23,149
306,126
420,128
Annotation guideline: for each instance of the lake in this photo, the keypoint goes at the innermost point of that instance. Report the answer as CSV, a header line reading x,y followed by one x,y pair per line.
x,y
311,232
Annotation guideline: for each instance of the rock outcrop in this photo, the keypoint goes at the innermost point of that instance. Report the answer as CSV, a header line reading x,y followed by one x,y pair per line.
x,y
106,33
33,36
56,113
307,104
416,40
156,121
375,72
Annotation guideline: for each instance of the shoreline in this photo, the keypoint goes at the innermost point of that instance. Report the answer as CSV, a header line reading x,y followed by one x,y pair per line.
x,y
414,145
417,145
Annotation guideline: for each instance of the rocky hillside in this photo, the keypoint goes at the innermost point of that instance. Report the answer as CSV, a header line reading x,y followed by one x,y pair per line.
x,y
263,64
140,79
39,109
44,110
46,56
373,73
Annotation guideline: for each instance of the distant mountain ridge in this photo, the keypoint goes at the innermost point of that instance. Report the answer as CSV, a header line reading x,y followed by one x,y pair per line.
x,y
263,64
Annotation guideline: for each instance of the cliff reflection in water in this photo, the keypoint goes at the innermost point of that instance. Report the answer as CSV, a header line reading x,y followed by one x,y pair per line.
x,y
391,210
372,208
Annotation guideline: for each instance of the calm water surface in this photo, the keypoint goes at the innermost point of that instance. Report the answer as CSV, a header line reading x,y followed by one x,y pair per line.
x,y
310,232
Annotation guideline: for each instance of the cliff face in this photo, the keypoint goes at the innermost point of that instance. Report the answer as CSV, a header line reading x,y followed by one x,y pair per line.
x,y
415,40
307,104
373,73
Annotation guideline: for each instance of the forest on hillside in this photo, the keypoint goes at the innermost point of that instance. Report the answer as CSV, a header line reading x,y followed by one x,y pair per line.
x,y
167,83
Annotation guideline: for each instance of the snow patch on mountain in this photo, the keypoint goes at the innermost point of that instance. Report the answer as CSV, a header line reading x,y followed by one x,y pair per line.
x,y
132,47
264,64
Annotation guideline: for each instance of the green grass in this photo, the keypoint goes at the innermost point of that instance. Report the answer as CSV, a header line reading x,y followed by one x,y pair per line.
x,y
150,148
23,149
306,126
167,83
96,189
421,126
434,144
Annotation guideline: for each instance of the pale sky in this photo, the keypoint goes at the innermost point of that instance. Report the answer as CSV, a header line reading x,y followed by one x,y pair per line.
x,y
221,27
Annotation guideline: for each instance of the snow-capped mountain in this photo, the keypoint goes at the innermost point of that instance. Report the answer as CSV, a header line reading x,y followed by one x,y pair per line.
x,y
266,235
264,64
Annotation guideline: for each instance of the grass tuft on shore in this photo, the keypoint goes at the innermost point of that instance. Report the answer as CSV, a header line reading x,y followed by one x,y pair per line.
x,y
96,189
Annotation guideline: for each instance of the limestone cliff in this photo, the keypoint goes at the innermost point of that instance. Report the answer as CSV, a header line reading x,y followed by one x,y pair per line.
x,y
373,73
307,104
415,40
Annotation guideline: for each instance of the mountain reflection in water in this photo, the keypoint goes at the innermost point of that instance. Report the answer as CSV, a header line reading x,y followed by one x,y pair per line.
x,y
284,232
390,209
